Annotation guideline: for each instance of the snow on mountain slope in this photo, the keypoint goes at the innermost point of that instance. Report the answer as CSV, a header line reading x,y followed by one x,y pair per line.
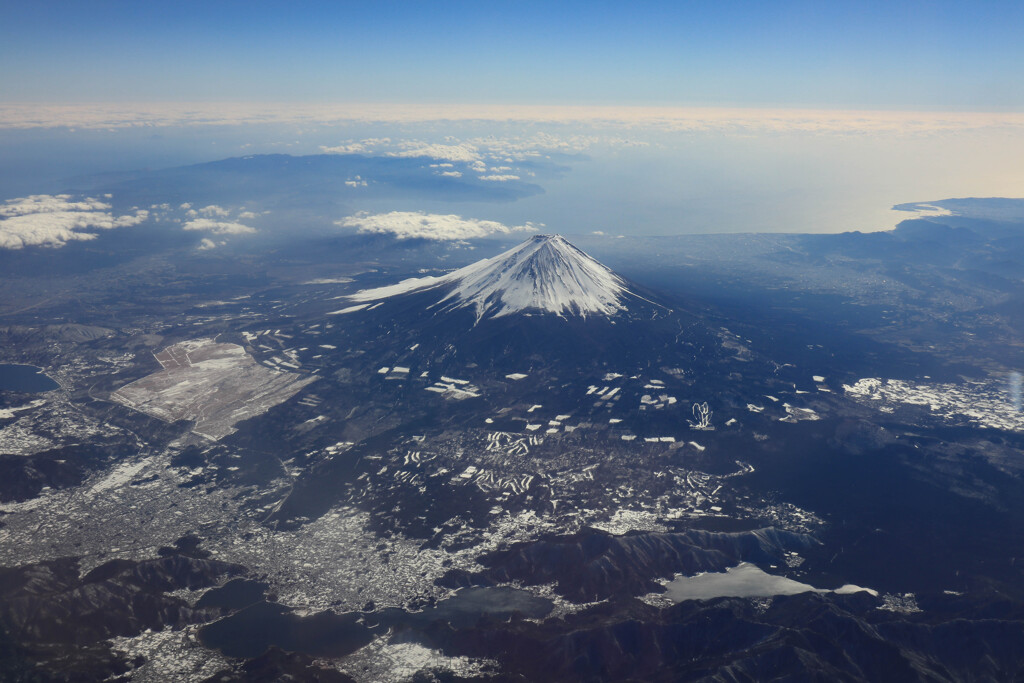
x,y
543,273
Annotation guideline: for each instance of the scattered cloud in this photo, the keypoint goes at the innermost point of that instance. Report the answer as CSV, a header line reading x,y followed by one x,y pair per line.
x,y
500,178
217,222
214,210
55,220
465,153
352,148
367,146
416,224
356,182
218,227
520,148
48,203
452,174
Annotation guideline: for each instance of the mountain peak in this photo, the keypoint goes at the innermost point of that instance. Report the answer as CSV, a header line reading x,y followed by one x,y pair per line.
x,y
544,273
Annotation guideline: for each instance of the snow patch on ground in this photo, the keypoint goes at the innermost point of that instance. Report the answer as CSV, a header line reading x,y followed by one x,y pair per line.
x,y
982,403
8,413
794,414
170,655
903,604
350,309
119,476
384,661
624,521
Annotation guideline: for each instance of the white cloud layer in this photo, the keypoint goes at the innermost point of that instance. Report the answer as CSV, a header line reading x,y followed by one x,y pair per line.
x,y
218,227
55,220
431,226
474,153
49,203
737,120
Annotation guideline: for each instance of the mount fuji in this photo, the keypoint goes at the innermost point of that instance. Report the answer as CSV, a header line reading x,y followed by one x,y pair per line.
x,y
543,302
544,274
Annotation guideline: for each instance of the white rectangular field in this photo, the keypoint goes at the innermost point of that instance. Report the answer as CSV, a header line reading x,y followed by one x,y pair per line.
x,y
215,385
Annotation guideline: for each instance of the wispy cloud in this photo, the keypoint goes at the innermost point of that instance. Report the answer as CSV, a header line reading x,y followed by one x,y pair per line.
x,y
415,224
55,220
218,227
500,178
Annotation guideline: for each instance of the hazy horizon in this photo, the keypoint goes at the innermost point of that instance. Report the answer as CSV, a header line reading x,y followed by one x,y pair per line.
x,y
663,118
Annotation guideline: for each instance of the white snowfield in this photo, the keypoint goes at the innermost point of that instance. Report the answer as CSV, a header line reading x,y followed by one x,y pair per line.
x,y
8,413
349,309
543,273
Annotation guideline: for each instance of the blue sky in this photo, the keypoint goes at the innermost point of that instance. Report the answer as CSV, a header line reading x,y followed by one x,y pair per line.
x,y
887,55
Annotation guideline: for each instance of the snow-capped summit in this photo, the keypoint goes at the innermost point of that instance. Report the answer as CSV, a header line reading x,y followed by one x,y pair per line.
x,y
544,273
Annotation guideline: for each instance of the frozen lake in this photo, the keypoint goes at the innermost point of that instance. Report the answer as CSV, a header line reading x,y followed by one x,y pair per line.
x,y
742,581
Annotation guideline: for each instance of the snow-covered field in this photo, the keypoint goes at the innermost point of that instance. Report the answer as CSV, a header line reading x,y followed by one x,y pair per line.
x,y
215,385
985,404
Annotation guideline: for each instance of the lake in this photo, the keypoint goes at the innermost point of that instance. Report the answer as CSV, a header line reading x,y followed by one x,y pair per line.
x,y
25,378
260,625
